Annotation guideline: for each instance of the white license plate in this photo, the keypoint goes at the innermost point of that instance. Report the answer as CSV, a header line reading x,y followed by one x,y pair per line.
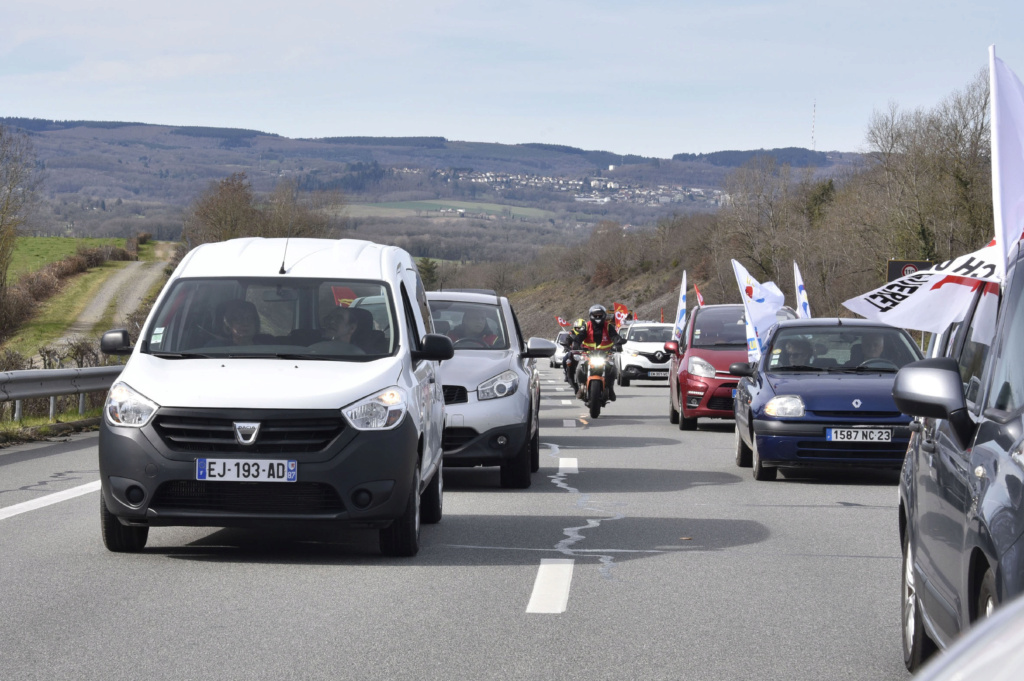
x,y
858,434
658,374
248,470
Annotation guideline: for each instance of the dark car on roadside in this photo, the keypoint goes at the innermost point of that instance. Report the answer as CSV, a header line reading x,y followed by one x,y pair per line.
x,y
961,493
700,385
821,397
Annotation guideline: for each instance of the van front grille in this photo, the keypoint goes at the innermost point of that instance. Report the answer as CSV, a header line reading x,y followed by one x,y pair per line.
x,y
188,433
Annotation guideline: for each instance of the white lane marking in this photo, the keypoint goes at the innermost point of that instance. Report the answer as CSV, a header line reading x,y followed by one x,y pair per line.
x,y
569,423
551,588
566,401
561,389
551,380
48,500
568,466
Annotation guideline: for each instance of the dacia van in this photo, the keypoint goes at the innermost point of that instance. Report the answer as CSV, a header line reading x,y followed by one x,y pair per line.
x,y
261,393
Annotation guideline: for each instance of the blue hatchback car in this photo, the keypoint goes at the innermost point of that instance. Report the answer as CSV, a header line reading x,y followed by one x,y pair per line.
x,y
821,396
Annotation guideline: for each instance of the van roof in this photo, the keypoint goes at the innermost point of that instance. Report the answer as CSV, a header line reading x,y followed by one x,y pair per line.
x,y
322,258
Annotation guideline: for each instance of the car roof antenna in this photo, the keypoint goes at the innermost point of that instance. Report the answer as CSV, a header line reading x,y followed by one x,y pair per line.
x,y
290,222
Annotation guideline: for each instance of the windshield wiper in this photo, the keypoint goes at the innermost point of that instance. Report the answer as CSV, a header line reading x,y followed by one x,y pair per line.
x,y
865,370
797,367
180,355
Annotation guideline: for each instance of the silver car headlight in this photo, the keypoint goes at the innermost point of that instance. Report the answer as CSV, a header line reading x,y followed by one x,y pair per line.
x,y
127,408
380,411
699,367
502,385
785,406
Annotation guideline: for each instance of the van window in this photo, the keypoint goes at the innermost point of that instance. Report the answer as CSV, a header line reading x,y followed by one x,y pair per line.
x,y
268,318
1008,368
977,342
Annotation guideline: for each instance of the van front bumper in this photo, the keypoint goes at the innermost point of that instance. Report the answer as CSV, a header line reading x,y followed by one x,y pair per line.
x,y
361,478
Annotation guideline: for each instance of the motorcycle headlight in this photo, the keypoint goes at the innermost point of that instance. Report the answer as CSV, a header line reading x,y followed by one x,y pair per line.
x,y
502,385
381,411
699,367
127,408
597,362
785,406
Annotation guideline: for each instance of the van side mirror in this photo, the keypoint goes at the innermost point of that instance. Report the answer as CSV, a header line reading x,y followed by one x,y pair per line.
x,y
672,346
116,342
741,369
434,347
539,347
933,388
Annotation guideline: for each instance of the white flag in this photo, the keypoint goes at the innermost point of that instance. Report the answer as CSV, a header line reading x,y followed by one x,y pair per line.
x,y
761,302
931,300
803,307
677,332
1007,110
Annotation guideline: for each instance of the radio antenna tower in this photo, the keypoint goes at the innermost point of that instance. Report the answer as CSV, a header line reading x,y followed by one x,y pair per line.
x,y
814,114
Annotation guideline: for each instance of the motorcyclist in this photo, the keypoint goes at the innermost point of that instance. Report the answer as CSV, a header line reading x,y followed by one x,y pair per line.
x,y
571,359
598,334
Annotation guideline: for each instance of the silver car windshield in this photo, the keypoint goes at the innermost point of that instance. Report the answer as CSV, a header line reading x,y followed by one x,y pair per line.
x,y
326,319
471,326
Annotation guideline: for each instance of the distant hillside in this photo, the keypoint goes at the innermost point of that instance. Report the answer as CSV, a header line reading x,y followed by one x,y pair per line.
x,y
115,178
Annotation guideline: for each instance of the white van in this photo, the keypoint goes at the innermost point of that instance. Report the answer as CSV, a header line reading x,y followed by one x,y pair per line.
x,y
259,394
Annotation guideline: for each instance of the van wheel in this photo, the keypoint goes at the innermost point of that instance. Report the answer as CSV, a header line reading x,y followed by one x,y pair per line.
x,y
624,382
120,538
987,600
743,452
402,537
432,503
515,472
917,647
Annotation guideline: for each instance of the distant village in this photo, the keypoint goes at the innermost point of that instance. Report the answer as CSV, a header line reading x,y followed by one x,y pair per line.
x,y
597,190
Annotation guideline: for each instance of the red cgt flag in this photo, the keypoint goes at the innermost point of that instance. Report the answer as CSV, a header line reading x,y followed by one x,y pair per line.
x,y
561,322
700,298
621,312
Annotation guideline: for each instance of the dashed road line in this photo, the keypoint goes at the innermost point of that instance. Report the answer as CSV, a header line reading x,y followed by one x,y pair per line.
x,y
568,423
551,588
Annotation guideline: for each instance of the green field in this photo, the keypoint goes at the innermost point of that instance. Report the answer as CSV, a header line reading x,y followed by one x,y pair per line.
x,y
33,252
413,208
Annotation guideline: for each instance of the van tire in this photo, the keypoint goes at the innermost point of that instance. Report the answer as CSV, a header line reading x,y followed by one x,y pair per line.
x,y
120,538
401,539
432,501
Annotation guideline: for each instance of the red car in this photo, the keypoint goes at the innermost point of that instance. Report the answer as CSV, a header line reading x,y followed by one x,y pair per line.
x,y
700,384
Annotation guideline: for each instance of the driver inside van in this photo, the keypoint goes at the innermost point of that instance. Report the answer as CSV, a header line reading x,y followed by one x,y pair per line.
x,y
240,322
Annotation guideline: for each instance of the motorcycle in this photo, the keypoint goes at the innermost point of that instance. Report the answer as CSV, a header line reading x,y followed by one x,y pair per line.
x,y
570,363
596,367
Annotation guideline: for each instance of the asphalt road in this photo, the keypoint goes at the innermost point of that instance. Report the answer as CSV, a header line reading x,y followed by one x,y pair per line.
x,y
640,552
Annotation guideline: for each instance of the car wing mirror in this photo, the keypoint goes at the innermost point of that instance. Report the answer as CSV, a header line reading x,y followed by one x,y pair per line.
x,y
933,388
116,342
539,347
672,346
434,346
741,369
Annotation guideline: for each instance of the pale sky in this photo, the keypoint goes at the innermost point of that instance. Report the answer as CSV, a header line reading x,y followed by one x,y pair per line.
x,y
649,77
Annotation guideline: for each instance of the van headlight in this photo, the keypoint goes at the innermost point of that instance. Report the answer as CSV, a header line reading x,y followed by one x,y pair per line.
x,y
700,367
380,411
127,408
502,385
785,406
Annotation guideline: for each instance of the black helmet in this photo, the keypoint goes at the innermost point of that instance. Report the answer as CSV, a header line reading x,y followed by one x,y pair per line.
x,y
598,313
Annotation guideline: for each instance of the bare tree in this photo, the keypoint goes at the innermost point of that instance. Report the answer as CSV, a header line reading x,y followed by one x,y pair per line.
x,y
18,182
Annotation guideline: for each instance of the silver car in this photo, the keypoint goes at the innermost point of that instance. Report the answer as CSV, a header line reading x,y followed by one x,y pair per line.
x,y
643,355
491,385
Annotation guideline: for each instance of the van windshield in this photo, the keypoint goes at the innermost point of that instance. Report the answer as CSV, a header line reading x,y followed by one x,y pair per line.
x,y
330,319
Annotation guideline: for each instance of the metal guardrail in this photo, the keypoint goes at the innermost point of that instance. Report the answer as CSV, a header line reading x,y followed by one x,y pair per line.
x,y
20,385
